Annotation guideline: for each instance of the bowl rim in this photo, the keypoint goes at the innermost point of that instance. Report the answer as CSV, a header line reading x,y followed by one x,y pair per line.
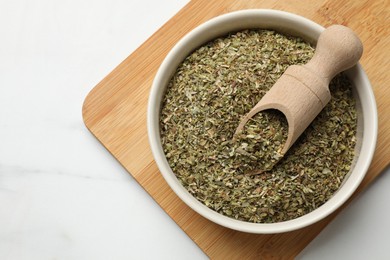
x,y
153,113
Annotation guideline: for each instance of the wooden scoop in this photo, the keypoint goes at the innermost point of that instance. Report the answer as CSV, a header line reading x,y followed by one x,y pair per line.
x,y
303,90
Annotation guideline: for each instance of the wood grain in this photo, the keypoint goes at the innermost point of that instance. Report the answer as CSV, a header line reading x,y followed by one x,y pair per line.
x,y
115,112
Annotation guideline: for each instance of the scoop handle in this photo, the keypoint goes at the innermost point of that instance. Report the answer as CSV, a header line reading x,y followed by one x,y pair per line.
x,y
338,49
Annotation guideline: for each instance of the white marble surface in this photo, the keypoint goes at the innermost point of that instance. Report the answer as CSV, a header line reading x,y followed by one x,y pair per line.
x,y
62,195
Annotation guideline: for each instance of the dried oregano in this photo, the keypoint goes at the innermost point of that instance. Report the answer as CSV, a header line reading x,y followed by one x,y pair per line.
x,y
261,141
205,100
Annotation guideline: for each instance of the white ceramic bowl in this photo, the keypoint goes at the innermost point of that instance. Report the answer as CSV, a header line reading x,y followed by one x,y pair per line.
x,y
282,22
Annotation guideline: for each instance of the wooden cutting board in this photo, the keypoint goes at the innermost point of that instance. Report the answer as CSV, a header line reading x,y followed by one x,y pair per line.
x,y
115,112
